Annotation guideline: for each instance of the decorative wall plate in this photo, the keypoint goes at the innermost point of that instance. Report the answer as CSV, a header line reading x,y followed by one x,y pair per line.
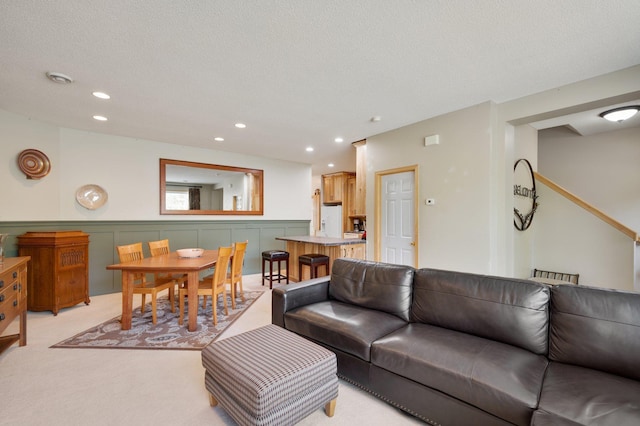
x,y
91,196
33,163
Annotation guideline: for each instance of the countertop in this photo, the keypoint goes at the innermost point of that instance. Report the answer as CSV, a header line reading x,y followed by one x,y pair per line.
x,y
323,241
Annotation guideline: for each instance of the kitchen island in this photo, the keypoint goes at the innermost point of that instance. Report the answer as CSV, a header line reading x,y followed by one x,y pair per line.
x,y
332,247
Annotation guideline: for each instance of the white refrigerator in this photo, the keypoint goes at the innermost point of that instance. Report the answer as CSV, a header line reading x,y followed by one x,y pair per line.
x,y
330,222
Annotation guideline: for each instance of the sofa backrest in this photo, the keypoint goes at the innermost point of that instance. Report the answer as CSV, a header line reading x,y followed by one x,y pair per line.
x,y
381,286
596,328
507,310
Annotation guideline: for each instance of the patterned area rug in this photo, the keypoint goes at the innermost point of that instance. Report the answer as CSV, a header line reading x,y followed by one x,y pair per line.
x,y
166,334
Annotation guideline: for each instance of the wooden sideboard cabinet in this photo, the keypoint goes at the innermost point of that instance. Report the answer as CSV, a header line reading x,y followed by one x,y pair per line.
x,y
13,300
59,272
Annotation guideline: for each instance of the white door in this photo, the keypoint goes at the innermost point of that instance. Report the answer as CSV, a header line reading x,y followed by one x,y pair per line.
x,y
397,218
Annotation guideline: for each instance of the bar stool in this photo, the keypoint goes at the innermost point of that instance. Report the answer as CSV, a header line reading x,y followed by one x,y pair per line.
x,y
272,256
313,261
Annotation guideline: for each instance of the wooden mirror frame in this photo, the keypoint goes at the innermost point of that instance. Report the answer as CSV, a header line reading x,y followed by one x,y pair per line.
x,y
256,193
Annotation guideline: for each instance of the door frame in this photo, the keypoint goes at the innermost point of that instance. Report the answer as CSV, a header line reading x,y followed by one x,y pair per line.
x,y
377,240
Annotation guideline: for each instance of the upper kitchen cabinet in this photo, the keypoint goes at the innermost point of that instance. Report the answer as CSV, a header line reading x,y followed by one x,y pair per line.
x,y
334,188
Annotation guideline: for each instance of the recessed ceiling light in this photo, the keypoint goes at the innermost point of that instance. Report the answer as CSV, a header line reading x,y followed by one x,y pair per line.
x,y
309,149
375,118
100,118
339,139
330,165
101,95
241,125
218,139
620,114
58,77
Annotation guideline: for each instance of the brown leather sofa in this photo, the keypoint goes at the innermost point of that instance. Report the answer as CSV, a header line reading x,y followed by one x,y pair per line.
x,y
457,348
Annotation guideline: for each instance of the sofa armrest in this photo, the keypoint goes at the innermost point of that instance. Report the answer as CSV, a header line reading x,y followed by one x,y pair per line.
x,y
292,296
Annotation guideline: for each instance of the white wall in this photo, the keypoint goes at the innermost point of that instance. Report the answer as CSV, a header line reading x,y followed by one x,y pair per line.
x,y
470,174
570,239
526,147
453,233
601,169
128,169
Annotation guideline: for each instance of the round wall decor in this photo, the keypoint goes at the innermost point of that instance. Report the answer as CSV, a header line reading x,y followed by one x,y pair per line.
x,y
34,164
91,197
524,194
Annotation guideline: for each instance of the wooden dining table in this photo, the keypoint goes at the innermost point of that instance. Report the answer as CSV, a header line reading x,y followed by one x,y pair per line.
x,y
165,263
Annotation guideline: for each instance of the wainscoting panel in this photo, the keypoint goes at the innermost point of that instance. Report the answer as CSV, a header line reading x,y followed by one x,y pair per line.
x,y
104,236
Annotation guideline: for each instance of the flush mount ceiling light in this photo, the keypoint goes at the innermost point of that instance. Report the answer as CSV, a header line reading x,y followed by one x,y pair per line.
x,y
100,118
620,114
240,125
101,95
57,77
309,149
218,139
339,139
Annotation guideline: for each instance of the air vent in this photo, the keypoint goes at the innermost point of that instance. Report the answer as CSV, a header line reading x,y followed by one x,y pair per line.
x,y
57,77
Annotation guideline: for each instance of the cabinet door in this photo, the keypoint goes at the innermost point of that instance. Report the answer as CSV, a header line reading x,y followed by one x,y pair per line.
x,y
353,251
327,189
351,196
338,185
332,188
72,286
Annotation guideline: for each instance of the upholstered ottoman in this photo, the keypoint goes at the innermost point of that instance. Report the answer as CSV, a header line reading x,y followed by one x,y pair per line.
x,y
270,376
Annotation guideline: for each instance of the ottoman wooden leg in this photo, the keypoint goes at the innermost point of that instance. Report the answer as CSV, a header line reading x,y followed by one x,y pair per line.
x,y
330,407
213,401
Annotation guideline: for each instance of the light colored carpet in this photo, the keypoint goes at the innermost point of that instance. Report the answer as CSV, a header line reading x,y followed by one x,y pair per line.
x,y
44,386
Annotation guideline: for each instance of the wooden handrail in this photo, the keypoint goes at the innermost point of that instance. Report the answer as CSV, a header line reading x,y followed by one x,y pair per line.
x,y
588,207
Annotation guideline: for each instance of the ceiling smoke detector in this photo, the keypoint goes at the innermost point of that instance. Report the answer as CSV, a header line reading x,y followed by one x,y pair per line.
x,y
57,77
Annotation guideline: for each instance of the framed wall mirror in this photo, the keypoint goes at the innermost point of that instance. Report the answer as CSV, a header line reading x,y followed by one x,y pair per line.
x,y
198,188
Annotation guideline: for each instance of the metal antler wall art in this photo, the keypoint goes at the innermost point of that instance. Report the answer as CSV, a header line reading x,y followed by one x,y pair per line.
x,y
524,196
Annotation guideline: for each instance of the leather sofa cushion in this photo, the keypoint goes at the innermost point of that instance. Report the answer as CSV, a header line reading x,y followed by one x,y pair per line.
x,y
506,310
574,395
500,379
351,329
380,286
596,328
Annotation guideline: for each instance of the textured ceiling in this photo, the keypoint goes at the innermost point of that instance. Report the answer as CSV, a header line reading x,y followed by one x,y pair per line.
x,y
297,72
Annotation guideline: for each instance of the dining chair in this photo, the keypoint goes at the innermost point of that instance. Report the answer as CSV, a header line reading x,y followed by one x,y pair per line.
x,y
212,285
160,247
234,277
131,252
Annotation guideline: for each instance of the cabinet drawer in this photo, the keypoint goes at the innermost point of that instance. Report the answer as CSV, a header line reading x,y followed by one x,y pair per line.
x,y
9,309
9,285
7,279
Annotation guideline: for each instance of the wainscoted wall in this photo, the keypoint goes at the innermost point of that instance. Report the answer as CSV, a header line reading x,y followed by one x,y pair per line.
x,y
104,236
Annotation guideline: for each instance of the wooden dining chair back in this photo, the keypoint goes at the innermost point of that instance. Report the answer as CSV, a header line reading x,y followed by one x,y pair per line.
x,y
133,252
212,285
158,248
234,278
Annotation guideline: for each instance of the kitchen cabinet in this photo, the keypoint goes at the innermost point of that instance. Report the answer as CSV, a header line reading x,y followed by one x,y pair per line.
x,y
13,299
360,193
351,197
332,247
333,188
59,272
339,189
354,251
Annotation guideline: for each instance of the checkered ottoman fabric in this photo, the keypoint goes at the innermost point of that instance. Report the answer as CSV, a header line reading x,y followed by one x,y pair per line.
x,y
269,376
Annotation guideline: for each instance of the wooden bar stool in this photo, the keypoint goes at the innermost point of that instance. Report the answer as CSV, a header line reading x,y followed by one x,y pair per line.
x,y
273,256
313,261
